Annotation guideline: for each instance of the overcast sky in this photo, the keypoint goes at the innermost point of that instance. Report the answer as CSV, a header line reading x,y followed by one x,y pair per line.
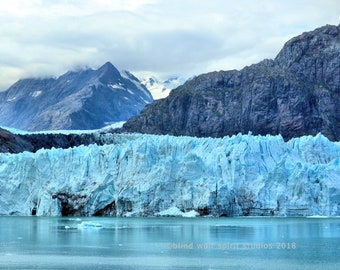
x,y
42,38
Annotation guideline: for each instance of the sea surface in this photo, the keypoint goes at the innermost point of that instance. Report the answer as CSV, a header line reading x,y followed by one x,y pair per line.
x,y
169,243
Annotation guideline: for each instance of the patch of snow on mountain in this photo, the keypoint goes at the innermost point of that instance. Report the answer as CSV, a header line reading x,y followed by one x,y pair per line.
x,y
116,86
11,99
36,93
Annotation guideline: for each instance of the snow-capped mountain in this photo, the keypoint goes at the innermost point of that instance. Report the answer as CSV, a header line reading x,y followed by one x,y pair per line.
x,y
161,89
146,175
86,99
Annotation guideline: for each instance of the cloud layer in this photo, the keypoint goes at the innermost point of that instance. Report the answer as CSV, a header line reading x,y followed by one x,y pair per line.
x,y
164,37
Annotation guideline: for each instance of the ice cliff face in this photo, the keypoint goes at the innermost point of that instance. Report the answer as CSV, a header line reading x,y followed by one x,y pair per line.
x,y
143,175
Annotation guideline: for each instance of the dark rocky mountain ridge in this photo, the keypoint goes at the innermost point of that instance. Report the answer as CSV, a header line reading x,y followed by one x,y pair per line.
x,y
32,142
86,99
11,143
296,94
15,143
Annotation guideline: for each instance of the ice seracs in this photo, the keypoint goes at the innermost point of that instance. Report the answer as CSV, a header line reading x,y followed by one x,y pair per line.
x,y
149,175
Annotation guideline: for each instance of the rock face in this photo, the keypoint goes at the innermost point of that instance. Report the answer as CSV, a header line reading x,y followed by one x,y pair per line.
x,y
88,99
296,94
32,142
146,175
10,143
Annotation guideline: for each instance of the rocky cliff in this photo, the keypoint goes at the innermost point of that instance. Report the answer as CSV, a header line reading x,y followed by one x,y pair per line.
x,y
32,142
297,93
11,143
86,99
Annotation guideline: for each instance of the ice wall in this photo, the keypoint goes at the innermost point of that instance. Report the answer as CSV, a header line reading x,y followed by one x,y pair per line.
x,y
141,175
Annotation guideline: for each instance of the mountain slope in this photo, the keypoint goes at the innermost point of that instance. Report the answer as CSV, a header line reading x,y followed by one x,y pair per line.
x,y
296,94
32,142
10,143
87,99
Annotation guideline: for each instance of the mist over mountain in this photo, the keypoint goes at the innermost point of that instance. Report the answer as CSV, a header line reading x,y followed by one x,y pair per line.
x,y
86,99
296,94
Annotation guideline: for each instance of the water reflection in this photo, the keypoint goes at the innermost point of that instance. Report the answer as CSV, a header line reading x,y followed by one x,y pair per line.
x,y
199,243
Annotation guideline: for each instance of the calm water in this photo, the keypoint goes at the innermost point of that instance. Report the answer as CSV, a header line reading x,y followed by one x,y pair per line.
x,y
169,243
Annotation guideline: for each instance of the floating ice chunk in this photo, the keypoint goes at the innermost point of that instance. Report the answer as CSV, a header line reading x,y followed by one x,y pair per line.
x,y
318,216
171,212
190,214
76,219
88,225
175,212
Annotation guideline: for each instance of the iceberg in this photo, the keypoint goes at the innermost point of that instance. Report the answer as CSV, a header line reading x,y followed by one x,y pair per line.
x,y
172,212
88,225
175,212
143,175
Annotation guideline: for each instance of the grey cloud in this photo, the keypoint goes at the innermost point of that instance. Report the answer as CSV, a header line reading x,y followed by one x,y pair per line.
x,y
164,37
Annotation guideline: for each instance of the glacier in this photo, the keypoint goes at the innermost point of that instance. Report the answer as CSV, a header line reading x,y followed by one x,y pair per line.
x,y
150,175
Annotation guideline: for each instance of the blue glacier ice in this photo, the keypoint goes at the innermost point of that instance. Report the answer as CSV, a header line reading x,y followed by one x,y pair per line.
x,y
147,175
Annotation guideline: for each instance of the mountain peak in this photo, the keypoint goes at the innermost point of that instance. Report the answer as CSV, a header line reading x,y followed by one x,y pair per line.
x,y
294,95
107,65
308,45
108,72
70,101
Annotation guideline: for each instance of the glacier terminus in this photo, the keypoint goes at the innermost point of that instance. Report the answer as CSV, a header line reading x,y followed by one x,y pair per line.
x,y
150,175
